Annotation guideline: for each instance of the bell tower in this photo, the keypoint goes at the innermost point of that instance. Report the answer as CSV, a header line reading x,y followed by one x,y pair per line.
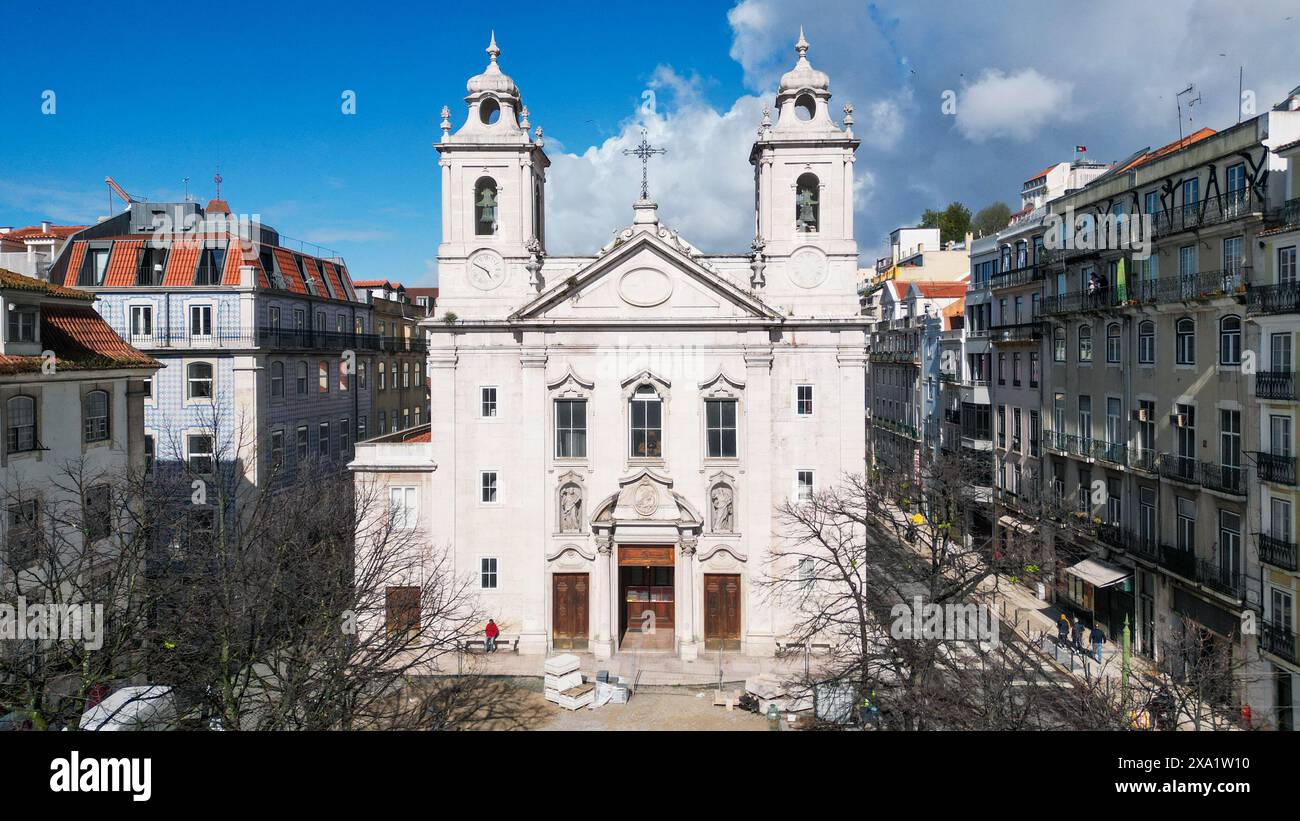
x,y
803,181
493,194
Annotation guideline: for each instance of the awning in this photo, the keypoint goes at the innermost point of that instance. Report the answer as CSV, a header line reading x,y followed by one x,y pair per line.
x,y
1012,523
1098,574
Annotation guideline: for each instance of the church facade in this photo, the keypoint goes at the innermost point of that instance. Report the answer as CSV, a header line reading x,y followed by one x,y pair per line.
x,y
610,435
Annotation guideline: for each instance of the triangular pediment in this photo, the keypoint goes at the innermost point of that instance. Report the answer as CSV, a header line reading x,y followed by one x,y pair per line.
x,y
647,276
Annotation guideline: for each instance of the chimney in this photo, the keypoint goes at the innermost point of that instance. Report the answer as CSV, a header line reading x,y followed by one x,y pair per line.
x,y
4,229
45,226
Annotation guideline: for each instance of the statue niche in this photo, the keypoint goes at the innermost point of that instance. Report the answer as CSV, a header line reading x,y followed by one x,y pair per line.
x,y
570,508
722,505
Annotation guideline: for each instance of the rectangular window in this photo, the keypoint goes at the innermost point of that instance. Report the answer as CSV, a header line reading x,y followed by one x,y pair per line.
x,y
141,320
323,440
148,452
1085,490
23,535
1015,429
277,448
1279,435
1034,426
345,434
1286,272
1034,369
200,453
571,429
1114,513
22,324
488,487
720,419
803,485
1230,447
1015,369
1002,426
803,400
211,261
200,320
647,424
1186,525
301,442
97,513
487,403
1147,515
1085,420
402,507
94,267
487,573
323,377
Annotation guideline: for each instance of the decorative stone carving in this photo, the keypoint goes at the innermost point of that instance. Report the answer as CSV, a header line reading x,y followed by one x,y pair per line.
x,y
645,287
722,501
570,508
688,546
645,501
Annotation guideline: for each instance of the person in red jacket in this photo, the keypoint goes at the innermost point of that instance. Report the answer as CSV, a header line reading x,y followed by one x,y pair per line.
x,y
491,634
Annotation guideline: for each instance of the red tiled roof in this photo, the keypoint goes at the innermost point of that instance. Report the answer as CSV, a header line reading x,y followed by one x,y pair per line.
x,y
333,275
1176,145
1044,172
422,436
941,290
290,270
122,264
81,341
18,282
313,274
181,263
36,232
375,283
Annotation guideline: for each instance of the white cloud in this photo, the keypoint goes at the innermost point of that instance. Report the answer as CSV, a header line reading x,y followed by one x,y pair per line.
x,y
704,184
1015,106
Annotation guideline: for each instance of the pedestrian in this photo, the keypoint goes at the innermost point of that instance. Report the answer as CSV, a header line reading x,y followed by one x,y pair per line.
x,y
490,634
1063,630
1078,634
1098,639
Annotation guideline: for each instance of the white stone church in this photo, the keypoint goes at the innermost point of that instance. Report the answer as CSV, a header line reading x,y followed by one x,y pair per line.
x,y
611,434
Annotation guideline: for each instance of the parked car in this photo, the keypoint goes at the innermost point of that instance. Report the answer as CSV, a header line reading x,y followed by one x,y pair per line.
x,y
151,707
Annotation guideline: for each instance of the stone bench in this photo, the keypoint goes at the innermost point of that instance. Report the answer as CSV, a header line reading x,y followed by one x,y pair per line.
x,y
510,643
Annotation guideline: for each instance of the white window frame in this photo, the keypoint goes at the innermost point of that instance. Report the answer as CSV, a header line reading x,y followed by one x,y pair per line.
x,y
485,572
799,485
489,402
495,487
812,401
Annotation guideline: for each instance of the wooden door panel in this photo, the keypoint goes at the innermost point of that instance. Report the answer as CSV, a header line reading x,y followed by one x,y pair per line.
x,y
569,610
722,611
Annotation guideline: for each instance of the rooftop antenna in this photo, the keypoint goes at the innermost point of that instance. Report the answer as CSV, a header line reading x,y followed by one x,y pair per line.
x,y
1241,81
1191,102
217,179
186,180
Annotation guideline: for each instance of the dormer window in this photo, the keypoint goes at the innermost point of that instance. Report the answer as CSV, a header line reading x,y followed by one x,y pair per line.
x,y
485,206
22,323
211,263
267,258
151,265
807,203
94,267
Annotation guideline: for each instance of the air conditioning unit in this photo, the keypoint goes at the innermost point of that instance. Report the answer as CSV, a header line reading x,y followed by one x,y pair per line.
x,y
1178,420
1142,415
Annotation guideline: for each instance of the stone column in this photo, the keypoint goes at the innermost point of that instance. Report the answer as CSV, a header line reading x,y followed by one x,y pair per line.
x,y
603,646
533,636
688,647
762,491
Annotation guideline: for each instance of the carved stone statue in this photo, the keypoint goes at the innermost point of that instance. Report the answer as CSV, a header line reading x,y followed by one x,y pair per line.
x,y
570,509
723,520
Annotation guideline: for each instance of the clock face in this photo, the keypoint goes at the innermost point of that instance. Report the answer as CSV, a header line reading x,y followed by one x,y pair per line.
x,y
486,270
808,267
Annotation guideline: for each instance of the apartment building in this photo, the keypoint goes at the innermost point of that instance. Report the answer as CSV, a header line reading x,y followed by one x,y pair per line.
x,y
1147,400
401,393
267,351
32,250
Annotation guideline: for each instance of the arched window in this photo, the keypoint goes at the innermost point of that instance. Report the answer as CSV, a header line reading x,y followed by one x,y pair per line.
x,y
383,377
20,424
361,375
1112,343
1230,340
94,416
198,379
302,378
807,203
277,379
647,423
1085,343
1147,343
1058,345
322,377
1185,341
485,206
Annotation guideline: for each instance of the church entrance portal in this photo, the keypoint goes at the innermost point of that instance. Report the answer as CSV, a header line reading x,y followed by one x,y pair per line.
x,y
647,597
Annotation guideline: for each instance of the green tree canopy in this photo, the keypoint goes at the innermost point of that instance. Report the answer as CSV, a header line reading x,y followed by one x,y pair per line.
x,y
953,222
991,218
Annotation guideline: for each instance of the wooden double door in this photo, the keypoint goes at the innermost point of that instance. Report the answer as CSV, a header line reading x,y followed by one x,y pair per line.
x,y
721,611
569,611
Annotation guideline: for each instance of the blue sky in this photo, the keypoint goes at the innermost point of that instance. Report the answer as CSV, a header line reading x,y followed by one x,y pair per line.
x,y
150,99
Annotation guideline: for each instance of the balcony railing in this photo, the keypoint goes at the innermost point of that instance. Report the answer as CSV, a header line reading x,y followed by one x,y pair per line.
x,y
895,427
1020,332
1076,301
1278,640
1229,479
1023,275
1273,299
1209,211
1181,288
1273,468
1114,452
1275,385
1277,552
1289,214
311,339
1127,540
184,338
894,357
1225,580
1142,459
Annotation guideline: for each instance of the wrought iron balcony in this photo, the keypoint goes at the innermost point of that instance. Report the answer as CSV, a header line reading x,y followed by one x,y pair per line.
x,y
1209,211
1289,214
1142,459
1078,301
1275,385
1019,332
1274,468
1277,552
1273,299
310,339
1229,479
1127,540
1217,577
1114,452
1278,640
952,416
1022,275
899,428
893,357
